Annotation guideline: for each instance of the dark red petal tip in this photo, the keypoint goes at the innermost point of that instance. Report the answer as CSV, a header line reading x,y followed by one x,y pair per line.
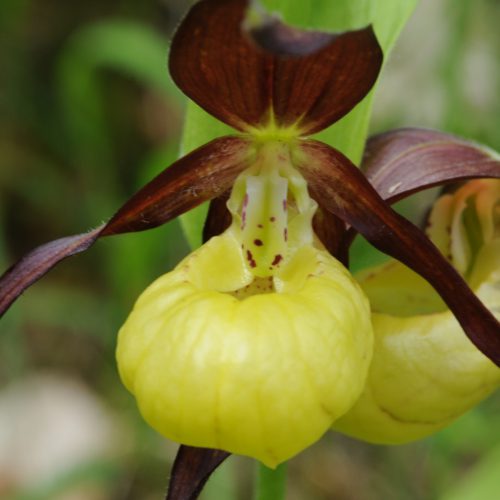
x,y
192,468
342,189
307,79
38,262
205,173
401,162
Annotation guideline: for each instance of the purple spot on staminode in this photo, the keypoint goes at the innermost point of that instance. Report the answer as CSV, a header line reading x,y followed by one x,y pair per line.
x,y
260,226
272,219
245,200
285,233
258,242
243,218
277,259
284,205
250,259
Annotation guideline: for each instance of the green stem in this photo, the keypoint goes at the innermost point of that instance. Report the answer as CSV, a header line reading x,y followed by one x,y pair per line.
x,y
271,484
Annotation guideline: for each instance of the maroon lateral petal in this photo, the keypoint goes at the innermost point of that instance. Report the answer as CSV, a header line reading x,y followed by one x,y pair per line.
x,y
218,217
401,162
342,189
310,79
331,231
192,468
203,174
38,262
197,177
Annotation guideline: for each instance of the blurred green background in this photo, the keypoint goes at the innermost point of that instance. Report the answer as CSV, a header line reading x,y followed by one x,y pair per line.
x,y
87,115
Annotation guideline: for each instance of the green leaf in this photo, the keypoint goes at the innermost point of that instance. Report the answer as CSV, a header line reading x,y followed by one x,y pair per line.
x,y
136,51
349,134
129,48
271,483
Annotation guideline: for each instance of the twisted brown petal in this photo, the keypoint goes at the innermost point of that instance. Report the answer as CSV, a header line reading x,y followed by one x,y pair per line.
x,y
307,79
203,174
343,190
38,262
192,468
401,162
331,231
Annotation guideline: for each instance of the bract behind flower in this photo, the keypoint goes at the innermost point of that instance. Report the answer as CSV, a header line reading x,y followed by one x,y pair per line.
x,y
259,367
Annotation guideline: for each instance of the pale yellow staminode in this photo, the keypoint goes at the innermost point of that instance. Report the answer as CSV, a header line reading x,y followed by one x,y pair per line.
x,y
425,372
239,351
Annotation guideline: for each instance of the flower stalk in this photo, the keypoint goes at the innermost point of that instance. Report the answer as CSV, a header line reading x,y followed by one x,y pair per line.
x,y
271,483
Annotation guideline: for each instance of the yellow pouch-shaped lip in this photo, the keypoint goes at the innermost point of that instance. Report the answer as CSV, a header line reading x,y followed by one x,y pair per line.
x,y
262,374
425,372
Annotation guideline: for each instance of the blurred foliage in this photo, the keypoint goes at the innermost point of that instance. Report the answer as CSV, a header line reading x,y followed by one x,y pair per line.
x,y
87,115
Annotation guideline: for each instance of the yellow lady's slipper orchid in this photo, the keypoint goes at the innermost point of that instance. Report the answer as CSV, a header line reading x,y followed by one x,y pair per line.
x,y
425,372
258,340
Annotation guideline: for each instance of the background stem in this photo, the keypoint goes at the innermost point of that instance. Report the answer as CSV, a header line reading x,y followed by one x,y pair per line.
x,y
271,484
